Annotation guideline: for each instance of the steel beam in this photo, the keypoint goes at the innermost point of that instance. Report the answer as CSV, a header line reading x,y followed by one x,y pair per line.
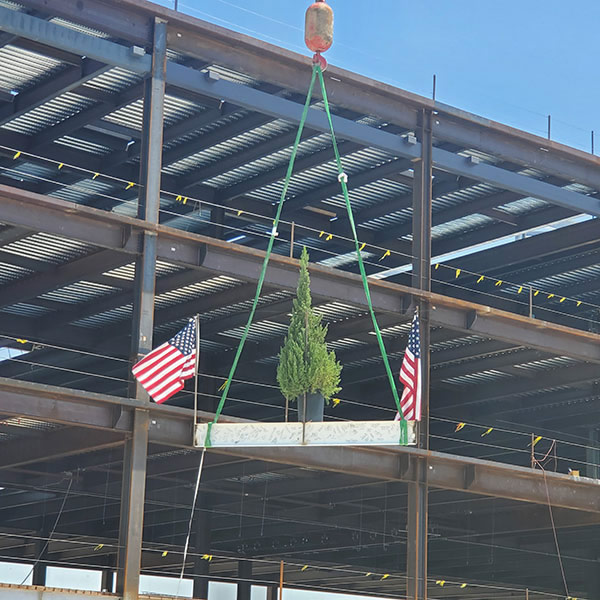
x,y
173,427
186,78
66,81
193,251
128,19
56,444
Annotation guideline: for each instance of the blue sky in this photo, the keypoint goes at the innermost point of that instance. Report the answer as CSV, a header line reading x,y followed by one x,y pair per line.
x,y
514,61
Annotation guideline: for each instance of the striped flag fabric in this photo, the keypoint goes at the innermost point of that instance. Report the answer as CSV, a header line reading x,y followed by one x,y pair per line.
x,y
410,375
163,371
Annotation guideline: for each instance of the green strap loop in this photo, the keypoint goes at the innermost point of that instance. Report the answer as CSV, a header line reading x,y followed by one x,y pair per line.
x,y
261,278
316,71
361,266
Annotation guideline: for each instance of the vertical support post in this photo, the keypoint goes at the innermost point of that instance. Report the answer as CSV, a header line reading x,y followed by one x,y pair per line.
x,y
202,546
549,125
40,568
272,592
244,587
136,447
416,566
108,580
592,452
217,217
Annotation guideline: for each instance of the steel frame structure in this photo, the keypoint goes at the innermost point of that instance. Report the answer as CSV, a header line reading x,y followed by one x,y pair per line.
x,y
421,136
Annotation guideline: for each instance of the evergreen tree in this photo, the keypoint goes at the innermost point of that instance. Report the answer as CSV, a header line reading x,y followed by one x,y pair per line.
x,y
305,364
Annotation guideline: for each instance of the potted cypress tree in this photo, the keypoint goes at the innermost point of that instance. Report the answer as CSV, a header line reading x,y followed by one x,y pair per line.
x,y
307,373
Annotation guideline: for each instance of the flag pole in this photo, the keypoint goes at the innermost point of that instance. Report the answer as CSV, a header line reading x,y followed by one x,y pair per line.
x,y
197,369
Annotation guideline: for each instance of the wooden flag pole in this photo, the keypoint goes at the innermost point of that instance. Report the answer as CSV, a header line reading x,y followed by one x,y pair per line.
x,y
281,581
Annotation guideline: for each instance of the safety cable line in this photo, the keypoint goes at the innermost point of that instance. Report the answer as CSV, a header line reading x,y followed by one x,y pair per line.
x,y
263,217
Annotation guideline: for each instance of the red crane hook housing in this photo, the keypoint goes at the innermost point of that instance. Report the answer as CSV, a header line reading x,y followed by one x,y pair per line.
x,y
318,30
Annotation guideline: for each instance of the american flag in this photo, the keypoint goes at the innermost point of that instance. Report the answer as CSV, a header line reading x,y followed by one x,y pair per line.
x,y
162,372
410,375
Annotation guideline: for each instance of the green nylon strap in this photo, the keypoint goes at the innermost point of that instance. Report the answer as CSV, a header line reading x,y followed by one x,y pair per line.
x,y
403,426
261,278
343,181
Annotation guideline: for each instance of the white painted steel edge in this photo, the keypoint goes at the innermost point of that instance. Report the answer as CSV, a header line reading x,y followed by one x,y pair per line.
x,y
347,433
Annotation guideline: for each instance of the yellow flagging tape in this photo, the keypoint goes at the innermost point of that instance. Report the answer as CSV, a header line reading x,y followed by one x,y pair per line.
x,y
304,568
440,582
368,574
240,212
207,557
362,246
165,553
487,432
437,266
21,341
535,441
385,577
387,253
458,271
463,586
550,296
536,292
481,278
335,401
329,237
498,283
96,175
60,166
98,547
130,185
578,302
16,155
321,234
520,289
223,386
562,299
459,427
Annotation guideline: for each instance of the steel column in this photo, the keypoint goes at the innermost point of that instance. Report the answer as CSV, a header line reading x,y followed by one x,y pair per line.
x,y
244,586
38,576
421,279
592,454
202,545
136,448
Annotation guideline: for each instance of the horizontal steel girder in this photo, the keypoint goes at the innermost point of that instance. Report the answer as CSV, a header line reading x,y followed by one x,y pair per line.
x,y
190,79
120,233
131,20
173,426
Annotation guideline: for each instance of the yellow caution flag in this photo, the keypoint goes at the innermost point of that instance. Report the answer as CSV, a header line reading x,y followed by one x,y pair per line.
x,y
535,441
96,175
165,553
386,254
459,427
16,155
487,432
498,283
440,582
385,577
362,246
223,386
481,278
304,568
335,401
458,272
98,547
130,185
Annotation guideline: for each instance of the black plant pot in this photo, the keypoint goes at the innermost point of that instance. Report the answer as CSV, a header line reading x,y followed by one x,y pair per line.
x,y
313,411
